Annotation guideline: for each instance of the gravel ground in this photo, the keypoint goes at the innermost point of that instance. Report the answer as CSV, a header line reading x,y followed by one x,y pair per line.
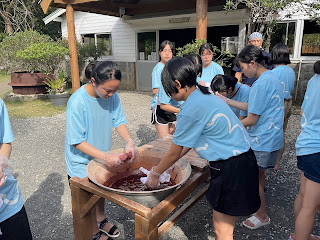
x,y
38,161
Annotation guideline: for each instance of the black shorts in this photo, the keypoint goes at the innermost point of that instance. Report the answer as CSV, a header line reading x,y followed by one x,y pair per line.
x,y
16,227
310,165
160,116
234,185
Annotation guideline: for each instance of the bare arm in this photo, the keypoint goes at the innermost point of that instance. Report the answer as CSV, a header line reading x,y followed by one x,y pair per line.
x,y
155,90
238,76
242,117
5,150
184,151
123,132
250,120
169,158
90,150
239,105
169,108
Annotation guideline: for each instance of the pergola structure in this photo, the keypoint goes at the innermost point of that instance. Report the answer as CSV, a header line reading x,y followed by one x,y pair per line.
x,y
127,8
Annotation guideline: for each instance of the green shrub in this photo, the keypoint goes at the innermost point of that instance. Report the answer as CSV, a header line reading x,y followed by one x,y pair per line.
x,y
90,50
221,57
43,57
15,43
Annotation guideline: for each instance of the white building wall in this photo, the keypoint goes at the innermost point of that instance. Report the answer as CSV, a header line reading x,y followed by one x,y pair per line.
x,y
122,34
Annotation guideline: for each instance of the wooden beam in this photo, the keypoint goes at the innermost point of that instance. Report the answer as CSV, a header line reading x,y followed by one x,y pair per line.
x,y
73,48
45,4
202,12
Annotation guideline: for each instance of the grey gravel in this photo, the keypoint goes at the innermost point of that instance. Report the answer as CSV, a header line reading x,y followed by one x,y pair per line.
x,y
38,160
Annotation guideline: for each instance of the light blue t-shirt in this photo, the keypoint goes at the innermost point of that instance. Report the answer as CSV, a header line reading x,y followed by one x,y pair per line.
x,y
9,192
156,81
211,129
165,99
308,142
266,100
242,92
210,72
89,119
287,78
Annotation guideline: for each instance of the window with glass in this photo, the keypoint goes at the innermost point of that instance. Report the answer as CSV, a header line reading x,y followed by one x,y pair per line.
x,y
311,39
101,41
147,46
283,33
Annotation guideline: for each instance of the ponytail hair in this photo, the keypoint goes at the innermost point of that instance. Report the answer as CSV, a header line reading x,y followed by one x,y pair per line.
x,y
89,69
316,67
197,62
180,69
222,83
105,71
252,53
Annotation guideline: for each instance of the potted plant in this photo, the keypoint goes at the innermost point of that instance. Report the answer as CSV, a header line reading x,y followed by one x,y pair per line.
x,y
56,88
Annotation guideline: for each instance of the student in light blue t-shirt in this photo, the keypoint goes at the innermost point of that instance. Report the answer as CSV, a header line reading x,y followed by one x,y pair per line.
x,y
14,222
92,112
307,202
208,125
280,57
264,121
163,117
232,89
209,68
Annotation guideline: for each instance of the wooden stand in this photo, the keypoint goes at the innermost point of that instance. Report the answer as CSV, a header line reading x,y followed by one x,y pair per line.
x,y
85,196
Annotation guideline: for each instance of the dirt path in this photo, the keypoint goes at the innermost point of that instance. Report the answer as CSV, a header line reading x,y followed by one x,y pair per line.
x,y
4,87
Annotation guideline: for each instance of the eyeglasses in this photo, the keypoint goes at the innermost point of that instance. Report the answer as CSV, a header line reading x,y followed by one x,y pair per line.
x,y
206,54
167,51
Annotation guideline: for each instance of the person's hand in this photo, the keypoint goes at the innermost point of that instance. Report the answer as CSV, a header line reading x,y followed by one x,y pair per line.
x,y
131,151
222,97
4,166
152,181
113,160
3,176
202,83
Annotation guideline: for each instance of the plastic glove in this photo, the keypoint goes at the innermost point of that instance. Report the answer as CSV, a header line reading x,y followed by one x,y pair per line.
x,y
222,97
113,160
131,151
5,169
164,177
152,180
202,83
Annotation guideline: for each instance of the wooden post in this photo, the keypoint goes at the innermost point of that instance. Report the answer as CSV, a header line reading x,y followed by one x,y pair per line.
x,y
202,11
73,48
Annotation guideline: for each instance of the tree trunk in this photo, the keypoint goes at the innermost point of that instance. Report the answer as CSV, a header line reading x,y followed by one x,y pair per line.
x,y
7,23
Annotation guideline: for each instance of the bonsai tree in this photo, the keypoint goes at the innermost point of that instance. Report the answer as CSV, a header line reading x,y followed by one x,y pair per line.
x,y
220,57
10,45
42,57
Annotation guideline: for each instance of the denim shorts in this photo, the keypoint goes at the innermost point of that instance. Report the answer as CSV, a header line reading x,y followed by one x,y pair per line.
x,y
266,159
310,165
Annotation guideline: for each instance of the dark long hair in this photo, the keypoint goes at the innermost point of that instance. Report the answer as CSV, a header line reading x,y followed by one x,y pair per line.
x,y
316,67
280,54
197,62
105,71
180,69
222,83
252,53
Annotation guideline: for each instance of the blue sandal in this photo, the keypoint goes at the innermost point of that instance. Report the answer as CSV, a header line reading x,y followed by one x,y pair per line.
x,y
111,233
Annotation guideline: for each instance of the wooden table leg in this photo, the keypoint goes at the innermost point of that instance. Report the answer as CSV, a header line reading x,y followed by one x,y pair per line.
x,y
82,223
145,229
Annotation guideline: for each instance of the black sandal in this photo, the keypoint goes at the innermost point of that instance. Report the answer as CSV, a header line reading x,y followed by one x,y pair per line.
x,y
98,236
112,230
